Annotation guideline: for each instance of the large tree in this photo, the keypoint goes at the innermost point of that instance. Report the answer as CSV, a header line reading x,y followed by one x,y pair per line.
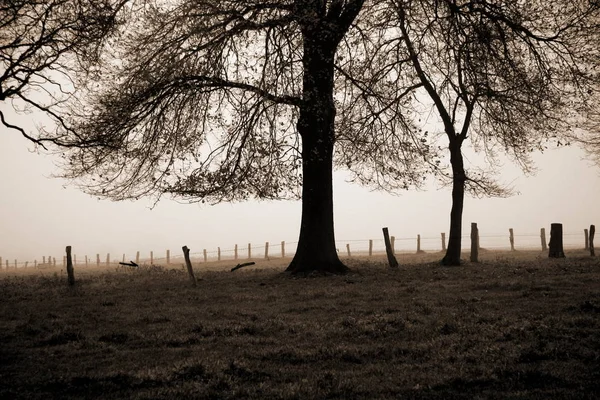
x,y
227,100
40,43
508,74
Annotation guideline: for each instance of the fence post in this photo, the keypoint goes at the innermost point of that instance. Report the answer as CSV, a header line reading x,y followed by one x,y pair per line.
x,y
26,262
137,258
6,264
282,248
266,250
34,264
443,241
107,259
348,249
151,258
511,239
204,253
218,254
474,242
249,251
235,252
168,257
388,249
86,261
419,244
188,263
592,232
587,238
43,259
543,239
15,263
97,259
393,244
556,241
70,267
54,261
370,247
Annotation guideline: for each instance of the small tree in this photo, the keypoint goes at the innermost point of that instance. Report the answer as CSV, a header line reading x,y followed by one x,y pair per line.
x,y
223,101
38,44
509,75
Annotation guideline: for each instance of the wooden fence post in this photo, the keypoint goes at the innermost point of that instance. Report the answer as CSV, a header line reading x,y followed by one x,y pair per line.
x,y
43,259
168,257
235,252
70,273
389,250
137,258
419,244
592,232
511,239
543,239
86,261
188,263
204,253
26,262
556,241
587,238
151,258
54,261
218,254
107,259
348,249
97,259
266,250
370,247
123,257
249,251
34,264
282,248
393,244
443,241
474,242
15,264
6,264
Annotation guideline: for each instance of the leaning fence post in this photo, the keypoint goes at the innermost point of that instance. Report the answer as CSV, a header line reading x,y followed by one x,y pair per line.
x,y
370,247
592,232
266,250
543,239
389,250
348,249
188,263
70,273
586,236
443,241
556,241
474,242
511,239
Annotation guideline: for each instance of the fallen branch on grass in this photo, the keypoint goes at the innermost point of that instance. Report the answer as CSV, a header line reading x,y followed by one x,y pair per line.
x,y
129,264
242,265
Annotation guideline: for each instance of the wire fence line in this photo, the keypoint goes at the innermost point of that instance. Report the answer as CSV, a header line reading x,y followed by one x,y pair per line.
x,y
283,249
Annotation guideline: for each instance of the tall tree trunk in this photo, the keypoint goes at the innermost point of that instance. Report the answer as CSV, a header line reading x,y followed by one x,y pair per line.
x,y
316,246
452,256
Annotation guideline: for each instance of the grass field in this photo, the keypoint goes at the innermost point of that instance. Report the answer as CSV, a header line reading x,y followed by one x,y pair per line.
x,y
514,326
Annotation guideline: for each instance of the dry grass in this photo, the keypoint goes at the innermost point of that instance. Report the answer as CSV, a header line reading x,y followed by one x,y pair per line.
x,y
516,325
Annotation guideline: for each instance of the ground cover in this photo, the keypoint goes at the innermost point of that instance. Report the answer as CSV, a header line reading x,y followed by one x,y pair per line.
x,y
514,326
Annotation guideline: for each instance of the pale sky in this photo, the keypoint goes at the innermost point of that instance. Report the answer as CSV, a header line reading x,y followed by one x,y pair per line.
x,y
40,217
